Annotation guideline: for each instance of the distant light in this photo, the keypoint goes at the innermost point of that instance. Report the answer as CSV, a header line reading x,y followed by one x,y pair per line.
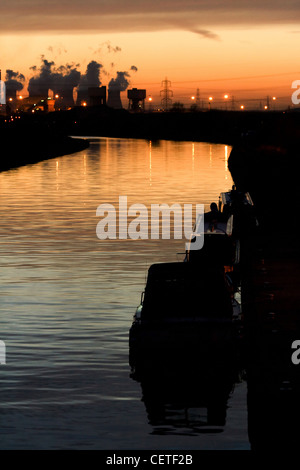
x,y
266,107
84,103
10,99
32,111
210,98
150,98
242,106
49,98
20,97
274,98
56,96
42,101
226,96
192,97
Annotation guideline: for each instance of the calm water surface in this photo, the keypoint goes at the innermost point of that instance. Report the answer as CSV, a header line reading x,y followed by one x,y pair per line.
x,y
67,298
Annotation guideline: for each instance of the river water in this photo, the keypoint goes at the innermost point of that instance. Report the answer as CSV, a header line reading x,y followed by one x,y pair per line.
x,y
67,298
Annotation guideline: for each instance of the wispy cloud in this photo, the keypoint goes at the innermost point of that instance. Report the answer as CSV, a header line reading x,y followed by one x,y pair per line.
x,y
206,34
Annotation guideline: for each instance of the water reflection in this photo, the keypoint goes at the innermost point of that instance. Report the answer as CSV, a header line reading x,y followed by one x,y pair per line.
x,y
186,394
67,298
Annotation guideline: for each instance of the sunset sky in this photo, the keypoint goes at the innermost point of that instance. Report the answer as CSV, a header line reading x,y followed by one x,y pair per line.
x,y
245,48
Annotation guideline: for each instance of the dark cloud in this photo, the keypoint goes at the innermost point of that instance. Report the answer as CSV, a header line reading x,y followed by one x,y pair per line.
x,y
147,15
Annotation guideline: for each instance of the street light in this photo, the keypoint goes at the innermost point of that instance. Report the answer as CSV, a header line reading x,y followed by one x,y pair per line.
x,y
226,98
242,106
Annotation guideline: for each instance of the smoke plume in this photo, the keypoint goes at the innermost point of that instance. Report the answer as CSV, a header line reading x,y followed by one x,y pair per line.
x,y
91,78
61,80
120,83
14,80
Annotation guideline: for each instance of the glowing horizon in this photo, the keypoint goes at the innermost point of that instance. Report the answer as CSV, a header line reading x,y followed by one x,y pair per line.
x,y
248,52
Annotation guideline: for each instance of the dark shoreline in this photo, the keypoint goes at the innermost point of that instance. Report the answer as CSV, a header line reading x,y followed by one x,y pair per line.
x,y
28,138
30,141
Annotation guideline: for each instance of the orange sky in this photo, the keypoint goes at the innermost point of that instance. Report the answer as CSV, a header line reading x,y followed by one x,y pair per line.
x,y
246,59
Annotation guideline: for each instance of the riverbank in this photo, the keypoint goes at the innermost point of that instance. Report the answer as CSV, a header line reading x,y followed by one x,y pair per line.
x,y
31,138
215,126
271,272
29,141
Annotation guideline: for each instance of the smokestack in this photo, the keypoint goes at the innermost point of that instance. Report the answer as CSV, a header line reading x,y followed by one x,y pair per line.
x,y
64,82
116,85
114,99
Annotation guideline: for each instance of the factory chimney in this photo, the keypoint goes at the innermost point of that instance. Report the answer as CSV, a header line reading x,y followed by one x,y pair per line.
x,y
114,99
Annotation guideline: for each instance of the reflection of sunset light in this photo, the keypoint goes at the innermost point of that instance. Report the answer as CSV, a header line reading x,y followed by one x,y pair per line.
x,y
150,162
226,162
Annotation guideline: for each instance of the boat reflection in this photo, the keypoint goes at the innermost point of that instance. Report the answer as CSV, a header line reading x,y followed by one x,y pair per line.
x,y
184,394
